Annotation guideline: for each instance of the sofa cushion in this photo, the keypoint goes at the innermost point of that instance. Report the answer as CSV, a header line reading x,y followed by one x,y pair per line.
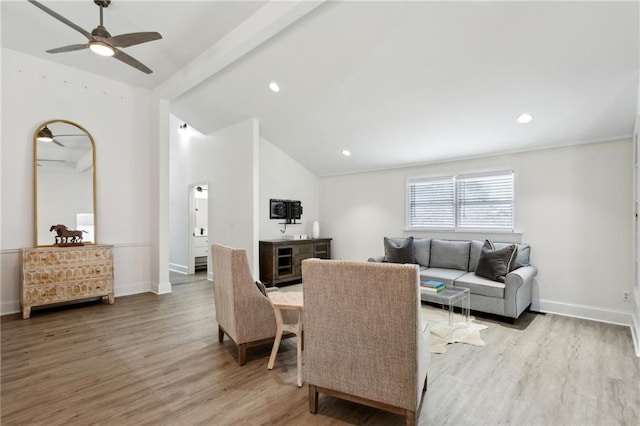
x,y
447,276
480,286
474,254
449,254
495,264
398,250
422,250
522,258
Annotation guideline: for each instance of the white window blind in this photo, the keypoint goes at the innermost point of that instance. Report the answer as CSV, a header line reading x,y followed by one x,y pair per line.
x,y
462,202
432,203
485,201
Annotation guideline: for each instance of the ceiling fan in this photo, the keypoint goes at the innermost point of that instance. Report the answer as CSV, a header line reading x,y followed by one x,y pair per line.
x,y
46,135
100,41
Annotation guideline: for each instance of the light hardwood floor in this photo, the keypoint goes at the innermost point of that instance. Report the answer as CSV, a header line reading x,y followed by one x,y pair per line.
x,y
155,360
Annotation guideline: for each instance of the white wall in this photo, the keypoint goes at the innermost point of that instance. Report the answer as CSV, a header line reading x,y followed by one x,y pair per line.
x,y
225,160
284,178
118,117
572,205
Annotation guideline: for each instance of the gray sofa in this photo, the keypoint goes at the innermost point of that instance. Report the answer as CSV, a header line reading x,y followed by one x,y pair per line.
x,y
454,263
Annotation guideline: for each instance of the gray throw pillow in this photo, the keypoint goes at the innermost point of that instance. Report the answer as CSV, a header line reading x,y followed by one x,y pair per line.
x,y
495,264
522,258
399,251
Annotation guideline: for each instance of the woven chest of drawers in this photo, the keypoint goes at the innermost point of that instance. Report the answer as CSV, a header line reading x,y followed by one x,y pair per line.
x,y
62,274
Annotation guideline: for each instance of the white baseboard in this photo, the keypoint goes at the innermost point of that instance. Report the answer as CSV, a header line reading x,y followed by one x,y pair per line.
x,y
132,288
161,288
635,325
210,275
179,269
635,334
7,308
586,312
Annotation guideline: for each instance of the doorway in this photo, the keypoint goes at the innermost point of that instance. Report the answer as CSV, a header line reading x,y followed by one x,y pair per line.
x,y
199,228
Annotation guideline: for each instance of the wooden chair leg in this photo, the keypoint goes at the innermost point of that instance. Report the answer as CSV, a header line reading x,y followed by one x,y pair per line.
x,y
313,399
242,354
220,334
411,418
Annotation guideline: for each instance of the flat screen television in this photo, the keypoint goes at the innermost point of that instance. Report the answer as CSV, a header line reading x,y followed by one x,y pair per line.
x,y
278,209
287,210
295,210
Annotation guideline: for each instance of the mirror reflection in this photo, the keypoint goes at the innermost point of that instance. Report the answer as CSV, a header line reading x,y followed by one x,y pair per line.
x,y
64,169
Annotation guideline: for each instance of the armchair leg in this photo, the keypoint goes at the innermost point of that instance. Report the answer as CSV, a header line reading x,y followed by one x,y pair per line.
x,y
220,334
242,354
411,418
313,399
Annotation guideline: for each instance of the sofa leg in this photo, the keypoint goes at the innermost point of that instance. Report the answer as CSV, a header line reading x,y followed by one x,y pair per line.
x,y
313,399
242,354
220,334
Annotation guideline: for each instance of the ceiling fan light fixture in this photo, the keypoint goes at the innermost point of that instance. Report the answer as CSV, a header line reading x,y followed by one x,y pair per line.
x,y
101,48
45,135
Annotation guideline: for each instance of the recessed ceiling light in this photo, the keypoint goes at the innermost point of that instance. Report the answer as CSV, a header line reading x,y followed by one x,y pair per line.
x,y
524,118
346,152
274,86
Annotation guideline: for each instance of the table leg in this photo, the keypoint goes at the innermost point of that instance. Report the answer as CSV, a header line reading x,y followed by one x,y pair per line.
x,y
468,306
299,347
276,343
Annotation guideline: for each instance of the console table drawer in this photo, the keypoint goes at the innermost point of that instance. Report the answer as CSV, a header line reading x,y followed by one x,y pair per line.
x,y
54,293
53,275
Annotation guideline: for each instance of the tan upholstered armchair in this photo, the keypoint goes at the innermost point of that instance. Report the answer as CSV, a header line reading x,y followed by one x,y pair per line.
x,y
243,313
364,336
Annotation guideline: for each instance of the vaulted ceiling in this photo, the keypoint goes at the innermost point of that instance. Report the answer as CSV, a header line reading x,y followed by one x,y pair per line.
x,y
395,83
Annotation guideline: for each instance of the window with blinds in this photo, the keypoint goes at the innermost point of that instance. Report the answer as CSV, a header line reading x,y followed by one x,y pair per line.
x,y
432,203
462,202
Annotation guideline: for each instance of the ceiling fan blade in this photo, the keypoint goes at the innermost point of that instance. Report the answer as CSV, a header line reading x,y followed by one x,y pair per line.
x,y
70,48
57,143
131,39
121,56
62,19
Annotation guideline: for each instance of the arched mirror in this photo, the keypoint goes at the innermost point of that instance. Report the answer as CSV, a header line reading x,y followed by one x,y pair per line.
x,y
64,168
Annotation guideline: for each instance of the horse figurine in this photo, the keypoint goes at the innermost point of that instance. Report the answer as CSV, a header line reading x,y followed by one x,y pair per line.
x,y
66,236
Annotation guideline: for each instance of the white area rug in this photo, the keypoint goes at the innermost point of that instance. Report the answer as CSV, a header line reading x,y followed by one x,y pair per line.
x,y
442,334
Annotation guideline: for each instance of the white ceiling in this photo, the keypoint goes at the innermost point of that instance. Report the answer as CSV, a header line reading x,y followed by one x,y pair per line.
x,y
396,83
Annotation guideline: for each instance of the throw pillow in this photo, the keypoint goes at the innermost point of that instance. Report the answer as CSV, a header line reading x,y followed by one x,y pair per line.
x,y
262,288
522,258
495,264
399,251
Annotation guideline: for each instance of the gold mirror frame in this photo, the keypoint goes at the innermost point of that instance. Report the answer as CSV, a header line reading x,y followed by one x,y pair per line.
x,y
35,178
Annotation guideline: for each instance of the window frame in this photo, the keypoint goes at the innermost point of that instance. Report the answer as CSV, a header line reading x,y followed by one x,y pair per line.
x,y
455,177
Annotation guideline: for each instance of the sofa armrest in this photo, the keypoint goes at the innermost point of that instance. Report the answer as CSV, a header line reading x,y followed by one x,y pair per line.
x,y
517,291
376,259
